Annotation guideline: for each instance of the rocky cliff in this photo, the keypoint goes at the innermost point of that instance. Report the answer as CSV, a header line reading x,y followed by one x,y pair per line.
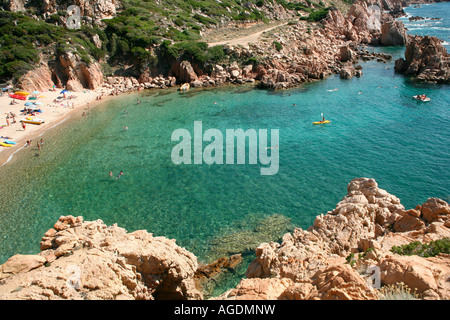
x,y
425,58
336,256
89,260
333,259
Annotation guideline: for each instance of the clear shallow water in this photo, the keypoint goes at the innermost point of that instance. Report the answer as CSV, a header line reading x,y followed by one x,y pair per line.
x,y
377,130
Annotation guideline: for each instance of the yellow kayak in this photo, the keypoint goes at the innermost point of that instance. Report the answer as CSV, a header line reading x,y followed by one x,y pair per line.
x,y
321,122
6,144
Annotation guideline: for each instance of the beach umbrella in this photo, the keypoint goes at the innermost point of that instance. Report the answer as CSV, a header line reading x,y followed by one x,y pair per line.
x,y
64,91
36,92
38,103
28,103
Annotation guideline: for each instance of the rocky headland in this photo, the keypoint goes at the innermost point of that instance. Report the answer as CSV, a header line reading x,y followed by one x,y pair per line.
x,y
425,58
344,255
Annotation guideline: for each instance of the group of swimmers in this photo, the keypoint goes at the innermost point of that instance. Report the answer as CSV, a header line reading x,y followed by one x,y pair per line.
x,y
39,144
118,176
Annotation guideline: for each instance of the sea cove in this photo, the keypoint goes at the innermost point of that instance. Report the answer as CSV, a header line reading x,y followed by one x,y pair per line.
x,y
176,164
381,133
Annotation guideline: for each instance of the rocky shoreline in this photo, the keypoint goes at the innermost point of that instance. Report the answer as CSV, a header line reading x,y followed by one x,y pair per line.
x,y
290,55
426,59
333,259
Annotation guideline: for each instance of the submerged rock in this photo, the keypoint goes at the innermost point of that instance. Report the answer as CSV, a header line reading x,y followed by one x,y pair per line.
x,y
245,238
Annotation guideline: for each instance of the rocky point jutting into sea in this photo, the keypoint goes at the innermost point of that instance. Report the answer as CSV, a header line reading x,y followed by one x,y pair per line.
x,y
330,260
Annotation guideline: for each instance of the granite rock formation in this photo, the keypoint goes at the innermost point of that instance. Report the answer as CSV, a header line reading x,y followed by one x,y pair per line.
x,y
89,260
425,58
321,263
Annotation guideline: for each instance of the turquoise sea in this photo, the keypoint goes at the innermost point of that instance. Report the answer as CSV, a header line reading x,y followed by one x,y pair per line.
x,y
377,130
436,21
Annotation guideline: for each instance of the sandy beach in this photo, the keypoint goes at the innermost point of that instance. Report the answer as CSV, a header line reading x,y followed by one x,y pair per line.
x,y
56,108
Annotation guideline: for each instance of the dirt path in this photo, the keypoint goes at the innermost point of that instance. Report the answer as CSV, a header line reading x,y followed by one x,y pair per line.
x,y
246,39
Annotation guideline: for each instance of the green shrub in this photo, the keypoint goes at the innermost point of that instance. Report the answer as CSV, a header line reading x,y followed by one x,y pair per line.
x,y
318,15
253,15
424,249
85,58
123,47
252,60
193,50
143,58
14,69
215,54
204,20
167,51
278,46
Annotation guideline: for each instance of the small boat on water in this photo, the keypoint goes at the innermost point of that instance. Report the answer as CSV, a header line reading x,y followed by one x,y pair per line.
x,y
32,120
422,98
185,87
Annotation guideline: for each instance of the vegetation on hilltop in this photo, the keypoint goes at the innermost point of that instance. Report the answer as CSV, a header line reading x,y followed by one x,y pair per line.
x,y
144,34
23,40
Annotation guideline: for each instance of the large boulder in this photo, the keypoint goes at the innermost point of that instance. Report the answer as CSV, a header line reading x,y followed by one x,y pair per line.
x,y
20,264
70,70
39,79
89,260
185,72
427,276
426,58
393,33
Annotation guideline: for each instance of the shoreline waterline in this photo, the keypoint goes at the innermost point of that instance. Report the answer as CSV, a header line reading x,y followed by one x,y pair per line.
x,y
7,154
